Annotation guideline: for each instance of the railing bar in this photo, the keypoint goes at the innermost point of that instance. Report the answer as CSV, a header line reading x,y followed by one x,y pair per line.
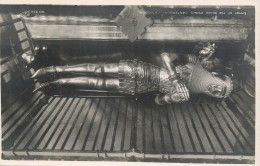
x,y
4,60
13,82
237,123
32,124
20,30
27,111
17,110
214,132
4,72
251,83
18,96
73,123
245,102
42,124
205,131
24,40
170,131
237,110
54,131
39,137
4,121
222,129
228,125
214,116
187,128
178,128
65,126
78,134
114,132
90,126
124,127
248,142
30,37
143,129
134,127
106,130
51,123
24,50
245,113
152,126
99,127
195,129
161,130
10,22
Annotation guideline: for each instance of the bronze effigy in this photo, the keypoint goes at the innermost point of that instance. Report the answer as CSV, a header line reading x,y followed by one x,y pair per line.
x,y
175,82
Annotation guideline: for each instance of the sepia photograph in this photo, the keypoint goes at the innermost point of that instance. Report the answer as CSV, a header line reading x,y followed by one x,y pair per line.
x,y
128,83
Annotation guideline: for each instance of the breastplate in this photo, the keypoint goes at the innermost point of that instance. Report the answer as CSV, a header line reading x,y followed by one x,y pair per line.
x,y
137,77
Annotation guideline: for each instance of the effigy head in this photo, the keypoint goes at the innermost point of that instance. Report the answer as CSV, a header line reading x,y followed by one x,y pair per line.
x,y
221,88
210,83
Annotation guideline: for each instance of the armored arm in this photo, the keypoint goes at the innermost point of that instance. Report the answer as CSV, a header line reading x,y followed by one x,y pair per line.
x,y
181,94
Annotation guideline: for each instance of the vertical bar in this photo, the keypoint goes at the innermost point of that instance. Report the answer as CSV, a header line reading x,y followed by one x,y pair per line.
x,y
120,124
55,125
104,125
133,144
61,126
143,129
148,130
71,136
31,125
203,106
193,132
44,130
128,126
40,122
246,109
177,140
79,139
208,128
189,146
115,128
107,126
156,130
112,125
219,132
124,127
85,126
96,122
139,129
91,125
240,140
59,141
99,126
239,126
209,148
22,113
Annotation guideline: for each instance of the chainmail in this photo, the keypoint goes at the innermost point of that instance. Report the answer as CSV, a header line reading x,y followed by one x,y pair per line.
x,y
201,79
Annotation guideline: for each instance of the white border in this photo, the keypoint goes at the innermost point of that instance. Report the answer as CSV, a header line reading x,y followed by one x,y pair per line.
x,y
150,2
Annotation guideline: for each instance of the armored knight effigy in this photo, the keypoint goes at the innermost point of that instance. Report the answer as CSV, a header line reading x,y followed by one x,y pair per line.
x,y
175,81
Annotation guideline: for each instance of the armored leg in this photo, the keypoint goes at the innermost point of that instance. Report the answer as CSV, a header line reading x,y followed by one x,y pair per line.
x,y
110,69
111,84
